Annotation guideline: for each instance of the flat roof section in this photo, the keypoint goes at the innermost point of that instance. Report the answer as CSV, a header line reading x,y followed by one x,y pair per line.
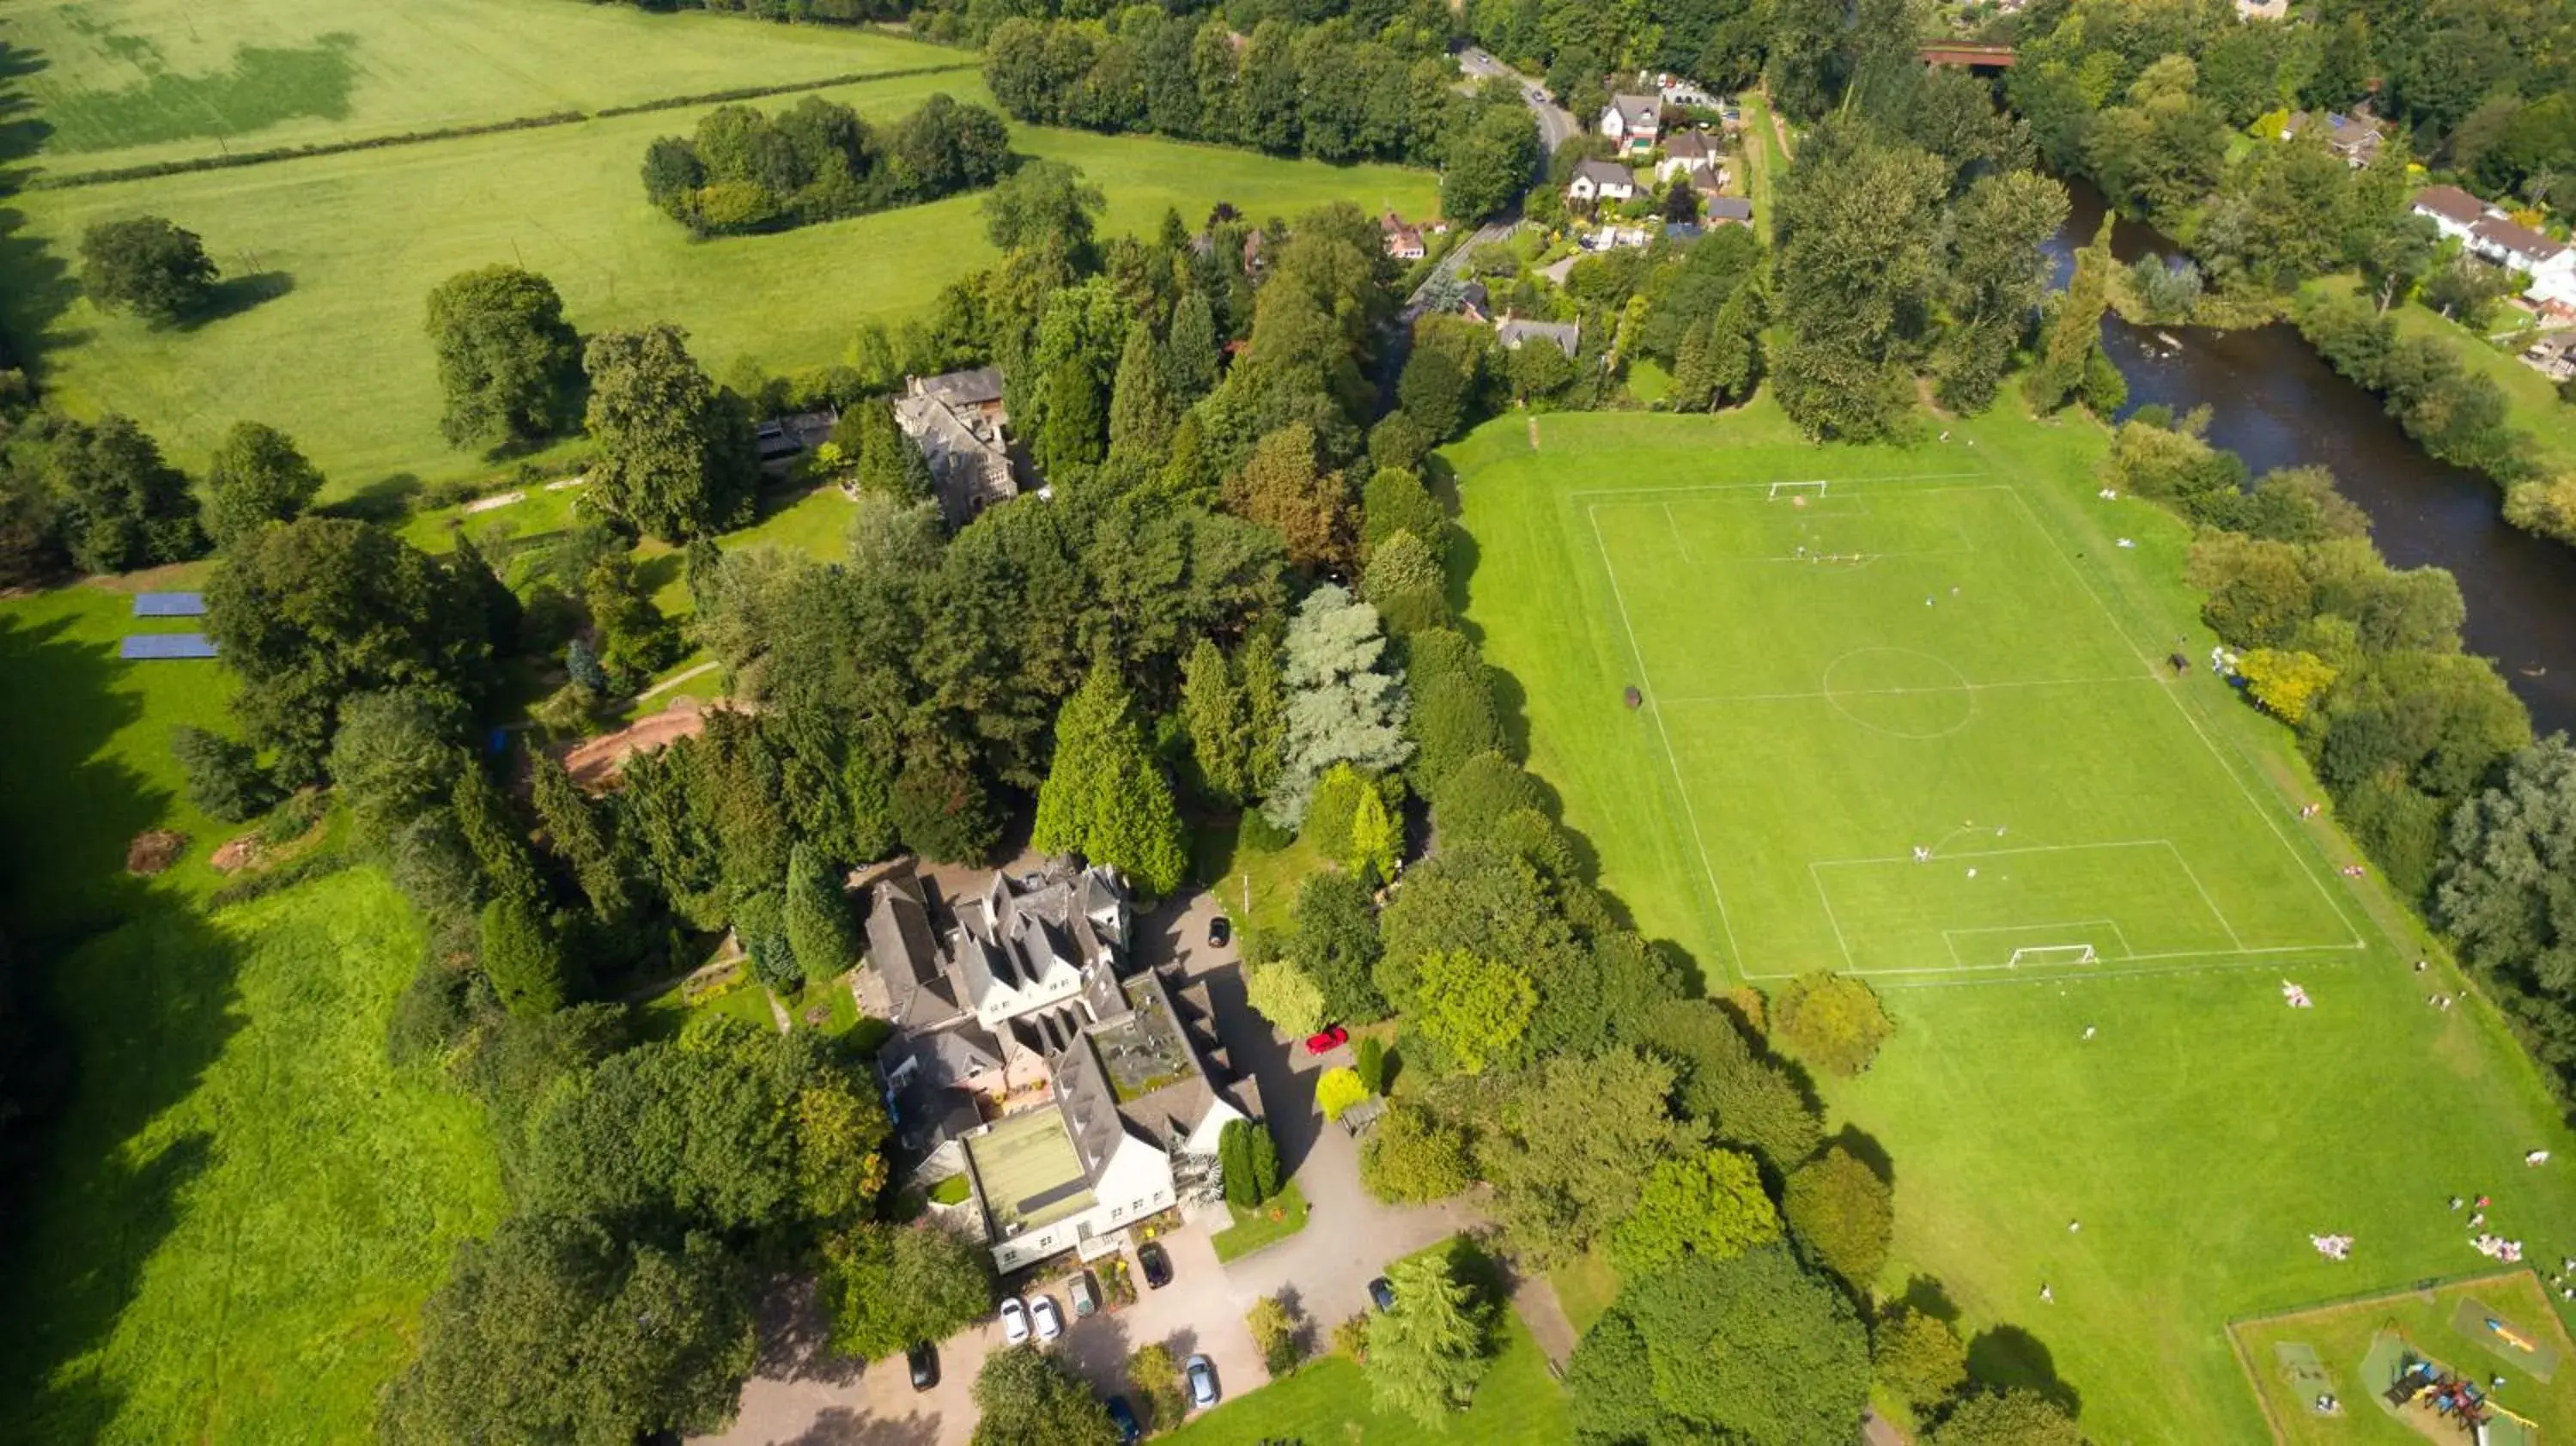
x,y
1030,1174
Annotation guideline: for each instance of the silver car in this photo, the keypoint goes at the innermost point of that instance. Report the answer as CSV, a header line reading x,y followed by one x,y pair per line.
x,y
1201,1373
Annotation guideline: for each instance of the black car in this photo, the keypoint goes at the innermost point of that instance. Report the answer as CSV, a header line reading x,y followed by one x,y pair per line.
x,y
1382,1291
1158,1266
1122,1416
924,1359
1219,931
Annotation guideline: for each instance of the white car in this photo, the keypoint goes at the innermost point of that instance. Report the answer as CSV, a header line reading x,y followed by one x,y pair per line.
x,y
1050,1321
1201,1373
1015,1321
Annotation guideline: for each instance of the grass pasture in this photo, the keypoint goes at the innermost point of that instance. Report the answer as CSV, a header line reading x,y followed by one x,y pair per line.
x,y
346,247
126,82
1807,725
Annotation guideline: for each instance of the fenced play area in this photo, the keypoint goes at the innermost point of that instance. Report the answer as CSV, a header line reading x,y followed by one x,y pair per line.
x,y
1909,741
2477,1361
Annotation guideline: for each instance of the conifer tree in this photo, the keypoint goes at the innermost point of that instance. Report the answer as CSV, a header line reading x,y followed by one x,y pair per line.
x,y
1189,351
817,917
1141,413
1693,382
581,839
1373,838
1218,719
1104,796
1734,345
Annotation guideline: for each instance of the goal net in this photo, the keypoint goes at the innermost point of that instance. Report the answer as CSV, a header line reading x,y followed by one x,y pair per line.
x,y
2052,954
1797,490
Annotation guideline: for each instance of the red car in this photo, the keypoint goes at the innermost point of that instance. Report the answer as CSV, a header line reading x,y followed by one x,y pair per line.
x,y
1328,1041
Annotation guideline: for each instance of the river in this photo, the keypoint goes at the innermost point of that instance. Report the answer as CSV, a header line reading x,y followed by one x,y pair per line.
x,y
2273,402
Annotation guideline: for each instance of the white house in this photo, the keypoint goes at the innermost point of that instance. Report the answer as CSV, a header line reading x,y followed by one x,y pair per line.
x,y
2486,232
1073,1101
1694,155
1634,121
1601,181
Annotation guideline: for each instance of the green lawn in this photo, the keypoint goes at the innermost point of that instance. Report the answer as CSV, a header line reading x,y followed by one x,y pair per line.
x,y
1329,1401
1257,886
1809,723
1764,161
1257,1229
1585,1288
227,1232
126,82
356,241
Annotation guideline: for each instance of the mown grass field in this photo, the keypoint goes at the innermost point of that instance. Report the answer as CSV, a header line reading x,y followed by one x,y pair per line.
x,y
2531,399
241,1205
126,82
356,241
2206,1130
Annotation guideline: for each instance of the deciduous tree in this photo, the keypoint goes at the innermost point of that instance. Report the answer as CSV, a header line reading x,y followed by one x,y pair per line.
x,y
1832,1020
1474,1010
1710,1204
146,266
674,451
1843,1211
1280,992
256,477
509,365
1027,1398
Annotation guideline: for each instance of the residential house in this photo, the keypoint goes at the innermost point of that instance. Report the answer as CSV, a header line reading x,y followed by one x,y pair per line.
x,y
2262,9
1674,90
2486,232
1403,242
1071,1100
1475,302
958,422
1635,122
1730,211
1694,155
1599,181
1513,333
2355,138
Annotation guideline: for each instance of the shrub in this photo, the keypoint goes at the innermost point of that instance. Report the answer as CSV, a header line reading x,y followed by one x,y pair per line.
x,y
1413,1157
224,779
1275,1332
1843,1211
1337,1091
1156,1379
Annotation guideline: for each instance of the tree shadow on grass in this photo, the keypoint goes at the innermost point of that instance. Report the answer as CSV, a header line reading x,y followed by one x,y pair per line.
x,y
386,500
125,995
2007,1356
234,295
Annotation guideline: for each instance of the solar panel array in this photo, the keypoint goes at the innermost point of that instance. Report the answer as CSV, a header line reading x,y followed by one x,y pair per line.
x,y
155,647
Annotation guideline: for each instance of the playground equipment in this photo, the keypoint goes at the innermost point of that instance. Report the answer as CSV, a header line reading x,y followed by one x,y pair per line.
x,y
2424,1383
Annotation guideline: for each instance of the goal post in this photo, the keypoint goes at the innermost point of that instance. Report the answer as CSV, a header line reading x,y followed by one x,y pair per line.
x,y
2043,954
1796,489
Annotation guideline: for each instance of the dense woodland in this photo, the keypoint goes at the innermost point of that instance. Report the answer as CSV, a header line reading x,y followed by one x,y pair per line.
x,y
1239,600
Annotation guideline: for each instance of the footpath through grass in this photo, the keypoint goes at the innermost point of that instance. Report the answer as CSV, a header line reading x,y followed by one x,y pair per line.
x,y
227,1231
2206,1130
130,82
353,243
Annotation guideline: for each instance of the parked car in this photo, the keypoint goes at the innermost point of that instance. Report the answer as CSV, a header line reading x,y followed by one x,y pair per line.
x,y
1219,931
1084,1299
1201,1374
1123,1416
924,1359
1328,1041
1382,1291
1050,1321
1158,1266
1015,1321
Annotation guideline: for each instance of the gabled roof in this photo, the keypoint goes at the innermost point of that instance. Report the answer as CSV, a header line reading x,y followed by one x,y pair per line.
x,y
1605,173
1729,208
1689,146
1638,112
1566,336
979,386
2519,239
905,952
2451,204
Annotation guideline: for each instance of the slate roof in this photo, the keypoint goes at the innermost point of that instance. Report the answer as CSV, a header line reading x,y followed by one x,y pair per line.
x,y
905,953
976,387
1566,335
1729,208
1638,112
2451,204
1690,146
2519,239
1605,174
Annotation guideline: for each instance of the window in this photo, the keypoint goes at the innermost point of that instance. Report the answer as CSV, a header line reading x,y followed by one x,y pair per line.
x,y
1117,1210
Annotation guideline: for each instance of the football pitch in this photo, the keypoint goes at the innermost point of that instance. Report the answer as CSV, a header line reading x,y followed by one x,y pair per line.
x,y
1910,743
1848,655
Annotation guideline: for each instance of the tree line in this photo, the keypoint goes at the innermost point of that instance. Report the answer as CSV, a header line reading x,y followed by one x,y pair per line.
x,y
743,171
1336,91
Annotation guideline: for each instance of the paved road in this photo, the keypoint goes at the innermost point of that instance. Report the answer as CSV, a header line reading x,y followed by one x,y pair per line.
x,y
1556,124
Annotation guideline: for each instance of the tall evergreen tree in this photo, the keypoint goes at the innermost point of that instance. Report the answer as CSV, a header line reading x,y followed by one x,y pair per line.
x,y
577,834
1105,797
1694,384
522,957
1141,413
1189,348
1428,1352
1218,719
817,917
